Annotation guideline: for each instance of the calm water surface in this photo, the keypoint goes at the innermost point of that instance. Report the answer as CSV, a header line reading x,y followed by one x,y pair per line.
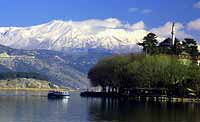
x,y
35,107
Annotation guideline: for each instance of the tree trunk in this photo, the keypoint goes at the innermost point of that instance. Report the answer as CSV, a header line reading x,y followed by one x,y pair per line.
x,y
103,89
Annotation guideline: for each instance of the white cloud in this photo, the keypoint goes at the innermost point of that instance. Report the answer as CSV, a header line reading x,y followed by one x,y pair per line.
x,y
138,26
194,25
133,10
146,11
143,11
114,25
197,5
96,25
108,23
165,30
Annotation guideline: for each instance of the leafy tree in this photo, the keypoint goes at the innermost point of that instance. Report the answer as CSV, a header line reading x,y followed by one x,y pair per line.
x,y
149,44
190,46
153,71
109,72
100,75
160,69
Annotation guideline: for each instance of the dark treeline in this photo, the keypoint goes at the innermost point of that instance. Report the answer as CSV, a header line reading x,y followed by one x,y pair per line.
x,y
158,67
151,46
12,75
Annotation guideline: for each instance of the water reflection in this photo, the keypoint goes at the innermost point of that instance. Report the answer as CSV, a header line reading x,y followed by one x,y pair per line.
x,y
112,110
29,107
33,107
65,101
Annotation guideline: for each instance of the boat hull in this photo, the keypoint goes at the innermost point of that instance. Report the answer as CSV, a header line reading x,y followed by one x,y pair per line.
x,y
57,95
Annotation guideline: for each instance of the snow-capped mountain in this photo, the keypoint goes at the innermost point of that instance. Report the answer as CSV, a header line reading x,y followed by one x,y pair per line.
x,y
60,35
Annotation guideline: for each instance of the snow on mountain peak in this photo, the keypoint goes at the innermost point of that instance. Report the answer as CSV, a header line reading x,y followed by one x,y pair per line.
x,y
62,35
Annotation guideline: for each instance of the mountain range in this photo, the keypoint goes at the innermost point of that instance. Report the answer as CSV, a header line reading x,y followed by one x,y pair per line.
x,y
64,51
60,68
65,36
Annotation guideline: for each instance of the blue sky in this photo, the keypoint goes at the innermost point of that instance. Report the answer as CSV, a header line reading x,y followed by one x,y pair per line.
x,y
153,13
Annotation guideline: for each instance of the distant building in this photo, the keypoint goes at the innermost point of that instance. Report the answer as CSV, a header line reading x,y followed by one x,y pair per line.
x,y
184,56
187,59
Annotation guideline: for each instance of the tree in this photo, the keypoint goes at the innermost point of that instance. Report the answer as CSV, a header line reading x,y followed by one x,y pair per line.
x,y
152,71
100,74
109,72
190,46
149,44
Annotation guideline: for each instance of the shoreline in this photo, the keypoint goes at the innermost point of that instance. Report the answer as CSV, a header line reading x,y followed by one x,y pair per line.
x,y
35,89
147,98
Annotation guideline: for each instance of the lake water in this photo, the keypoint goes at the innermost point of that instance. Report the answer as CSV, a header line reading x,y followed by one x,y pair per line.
x,y
36,107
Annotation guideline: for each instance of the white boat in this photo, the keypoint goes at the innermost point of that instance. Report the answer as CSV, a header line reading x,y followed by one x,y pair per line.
x,y
58,94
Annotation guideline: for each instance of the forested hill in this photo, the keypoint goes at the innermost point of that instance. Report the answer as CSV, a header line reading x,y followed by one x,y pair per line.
x,y
25,80
56,66
13,75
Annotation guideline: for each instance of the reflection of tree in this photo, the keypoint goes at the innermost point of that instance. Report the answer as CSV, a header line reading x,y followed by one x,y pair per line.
x,y
116,110
104,109
112,109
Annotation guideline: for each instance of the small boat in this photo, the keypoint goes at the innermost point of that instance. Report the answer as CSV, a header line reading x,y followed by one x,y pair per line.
x,y
58,94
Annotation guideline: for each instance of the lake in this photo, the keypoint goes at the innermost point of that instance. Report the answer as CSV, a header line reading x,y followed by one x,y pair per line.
x,y
36,107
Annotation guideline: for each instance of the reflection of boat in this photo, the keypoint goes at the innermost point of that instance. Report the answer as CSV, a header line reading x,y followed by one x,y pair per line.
x,y
58,94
